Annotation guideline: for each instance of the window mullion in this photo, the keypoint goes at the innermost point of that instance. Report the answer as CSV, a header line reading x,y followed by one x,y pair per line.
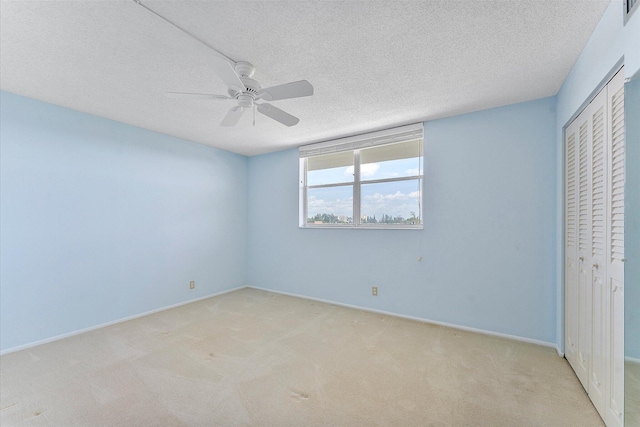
x,y
356,188
421,200
338,184
303,191
402,178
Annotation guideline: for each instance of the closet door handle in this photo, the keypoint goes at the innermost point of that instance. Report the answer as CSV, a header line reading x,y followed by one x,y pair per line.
x,y
595,266
581,259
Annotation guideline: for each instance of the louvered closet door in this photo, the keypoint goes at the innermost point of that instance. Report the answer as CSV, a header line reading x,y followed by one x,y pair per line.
x,y
614,255
571,248
594,249
597,260
584,292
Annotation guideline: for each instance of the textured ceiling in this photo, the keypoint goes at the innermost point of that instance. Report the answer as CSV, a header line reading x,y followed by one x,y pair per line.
x,y
373,64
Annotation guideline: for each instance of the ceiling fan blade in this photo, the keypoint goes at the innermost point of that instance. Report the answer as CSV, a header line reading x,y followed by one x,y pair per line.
x,y
278,115
186,95
232,117
285,91
225,71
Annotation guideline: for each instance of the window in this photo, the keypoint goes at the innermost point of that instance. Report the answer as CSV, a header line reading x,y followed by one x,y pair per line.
x,y
366,181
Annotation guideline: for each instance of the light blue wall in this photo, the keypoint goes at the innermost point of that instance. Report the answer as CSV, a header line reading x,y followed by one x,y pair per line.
x,y
101,220
610,44
488,245
632,220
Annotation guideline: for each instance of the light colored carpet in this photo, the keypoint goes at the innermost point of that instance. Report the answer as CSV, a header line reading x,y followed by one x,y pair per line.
x,y
256,358
631,394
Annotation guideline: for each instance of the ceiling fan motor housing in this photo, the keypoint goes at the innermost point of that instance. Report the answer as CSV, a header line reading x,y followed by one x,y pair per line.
x,y
245,71
246,97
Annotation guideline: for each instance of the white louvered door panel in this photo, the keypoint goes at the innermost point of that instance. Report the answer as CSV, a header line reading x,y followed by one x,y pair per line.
x,y
600,306
614,254
585,318
571,250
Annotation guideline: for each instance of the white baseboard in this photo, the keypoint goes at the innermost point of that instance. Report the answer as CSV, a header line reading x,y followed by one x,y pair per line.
x,y
102,325
387,313
632,360
420,319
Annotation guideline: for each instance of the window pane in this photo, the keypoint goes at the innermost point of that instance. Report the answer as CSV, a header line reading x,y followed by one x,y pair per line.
x,y
333,205
330,168
396,202
391,161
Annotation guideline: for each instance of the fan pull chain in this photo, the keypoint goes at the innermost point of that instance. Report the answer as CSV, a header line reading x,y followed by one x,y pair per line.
x,y
254,114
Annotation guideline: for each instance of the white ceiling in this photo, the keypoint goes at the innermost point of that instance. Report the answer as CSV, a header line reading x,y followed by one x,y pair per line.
x,y
373,64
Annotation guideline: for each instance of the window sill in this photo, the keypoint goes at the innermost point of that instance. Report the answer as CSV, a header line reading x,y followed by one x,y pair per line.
x,y
364,227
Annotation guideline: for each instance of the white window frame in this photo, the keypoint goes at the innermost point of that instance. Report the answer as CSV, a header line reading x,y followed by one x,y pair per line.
x,y
355,144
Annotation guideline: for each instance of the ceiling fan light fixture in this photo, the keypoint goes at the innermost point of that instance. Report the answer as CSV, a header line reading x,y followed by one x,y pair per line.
x,y
245,100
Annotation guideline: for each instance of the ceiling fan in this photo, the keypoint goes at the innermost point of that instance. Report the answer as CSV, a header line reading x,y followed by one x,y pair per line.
x,y
247,92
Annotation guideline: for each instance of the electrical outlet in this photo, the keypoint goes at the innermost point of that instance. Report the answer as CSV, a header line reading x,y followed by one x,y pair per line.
x,y
374,291
192,284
